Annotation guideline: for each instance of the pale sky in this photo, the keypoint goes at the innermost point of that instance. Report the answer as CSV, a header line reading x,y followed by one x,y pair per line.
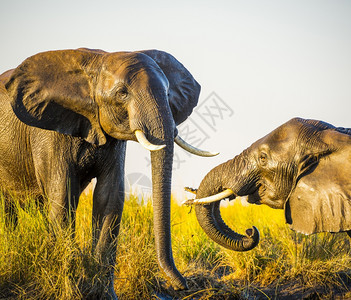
x,y
260,63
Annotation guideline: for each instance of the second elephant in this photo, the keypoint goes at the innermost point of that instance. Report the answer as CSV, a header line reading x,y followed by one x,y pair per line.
x,y
303,167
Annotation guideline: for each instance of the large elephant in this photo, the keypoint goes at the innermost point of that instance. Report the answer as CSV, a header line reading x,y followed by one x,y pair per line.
x,y
65,119
303,167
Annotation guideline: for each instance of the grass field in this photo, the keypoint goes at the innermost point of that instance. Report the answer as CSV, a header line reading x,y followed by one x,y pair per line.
x,y
36,265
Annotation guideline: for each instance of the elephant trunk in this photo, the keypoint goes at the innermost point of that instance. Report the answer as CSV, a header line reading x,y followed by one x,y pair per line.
x,y
160,130
161,161
237,175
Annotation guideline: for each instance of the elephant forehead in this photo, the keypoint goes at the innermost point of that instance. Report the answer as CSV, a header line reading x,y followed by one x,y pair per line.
x,y
275,144
119,62
282,139
285,134
134,71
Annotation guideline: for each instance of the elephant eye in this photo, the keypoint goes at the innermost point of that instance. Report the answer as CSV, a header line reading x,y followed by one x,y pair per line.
x,y
122,93
263,158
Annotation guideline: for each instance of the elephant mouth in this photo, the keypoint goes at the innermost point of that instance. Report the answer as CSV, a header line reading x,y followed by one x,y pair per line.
x,y
122,135
265,195
254,198
257,194
260,196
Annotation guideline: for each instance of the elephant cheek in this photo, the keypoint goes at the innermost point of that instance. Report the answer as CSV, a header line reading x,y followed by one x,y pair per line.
x,y
273,202
114,121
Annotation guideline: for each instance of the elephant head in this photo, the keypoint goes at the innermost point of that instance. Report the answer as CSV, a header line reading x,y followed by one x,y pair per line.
x,y
99,96
302,166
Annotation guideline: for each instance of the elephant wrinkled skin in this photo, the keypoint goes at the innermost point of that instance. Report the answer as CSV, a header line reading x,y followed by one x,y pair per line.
x,y
303,167
65,117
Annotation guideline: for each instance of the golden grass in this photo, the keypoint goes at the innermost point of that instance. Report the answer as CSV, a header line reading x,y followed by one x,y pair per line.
x,y
38,260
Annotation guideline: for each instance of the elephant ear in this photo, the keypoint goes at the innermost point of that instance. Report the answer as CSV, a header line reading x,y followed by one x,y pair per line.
x,y
321,200
53,90
184,90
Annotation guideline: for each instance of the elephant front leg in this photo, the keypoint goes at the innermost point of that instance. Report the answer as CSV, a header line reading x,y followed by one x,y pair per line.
x,y
63,199
105,232
108,201
107,213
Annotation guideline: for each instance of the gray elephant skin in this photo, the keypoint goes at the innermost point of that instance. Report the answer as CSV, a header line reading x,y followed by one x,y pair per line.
x,y
303,167
65,118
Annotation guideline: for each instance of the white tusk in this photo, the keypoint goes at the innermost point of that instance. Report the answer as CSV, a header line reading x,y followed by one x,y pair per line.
x,y
145,143
183,144
210,199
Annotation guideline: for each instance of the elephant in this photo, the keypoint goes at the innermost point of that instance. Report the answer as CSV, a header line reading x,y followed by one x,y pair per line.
x,y
303,167
66,116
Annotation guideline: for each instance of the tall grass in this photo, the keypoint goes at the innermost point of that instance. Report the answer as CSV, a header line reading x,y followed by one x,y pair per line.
x,y
39,260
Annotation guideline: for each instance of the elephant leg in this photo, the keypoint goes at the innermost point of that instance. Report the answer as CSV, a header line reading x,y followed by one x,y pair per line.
x,y
57,173
107,215
108,202
62,191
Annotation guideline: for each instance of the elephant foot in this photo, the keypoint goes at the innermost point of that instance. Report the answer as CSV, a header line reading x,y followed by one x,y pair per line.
x,y
105,290
111,294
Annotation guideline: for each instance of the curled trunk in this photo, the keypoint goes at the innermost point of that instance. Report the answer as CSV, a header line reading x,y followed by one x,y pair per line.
x,y
209,218
235,174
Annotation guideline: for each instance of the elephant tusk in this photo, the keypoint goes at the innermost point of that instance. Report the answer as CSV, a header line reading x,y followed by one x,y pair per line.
x,y
145,143
214,198
183,144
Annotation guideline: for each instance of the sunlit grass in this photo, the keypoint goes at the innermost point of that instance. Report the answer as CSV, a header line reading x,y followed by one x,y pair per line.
x,y
38,260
